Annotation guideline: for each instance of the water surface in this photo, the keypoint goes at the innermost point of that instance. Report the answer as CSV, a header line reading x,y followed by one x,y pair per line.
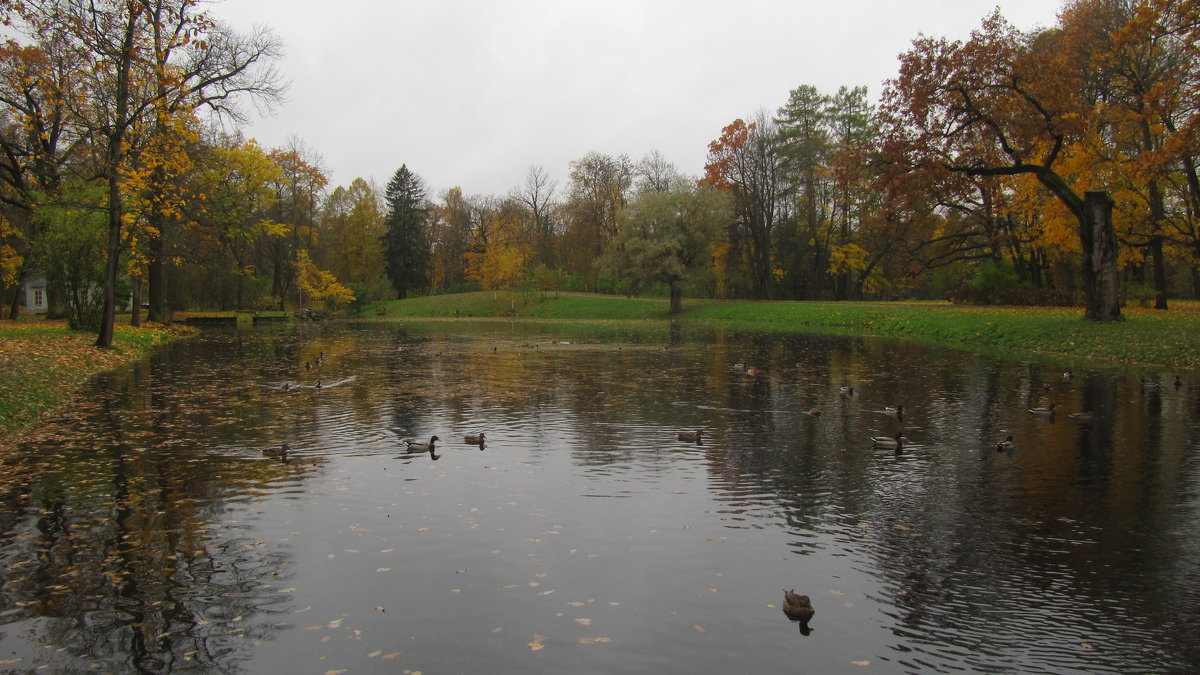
x,y
153,527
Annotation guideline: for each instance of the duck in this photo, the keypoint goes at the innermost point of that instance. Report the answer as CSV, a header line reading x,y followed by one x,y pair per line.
x,y
1178,382
815,412
797,607
1068,376
280,453
896,441
1006,444
422,446
1085,416
847,390
689,436
1043,412
474,439
898,411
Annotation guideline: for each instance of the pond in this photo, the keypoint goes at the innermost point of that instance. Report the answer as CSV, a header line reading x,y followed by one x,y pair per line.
x,y
156,525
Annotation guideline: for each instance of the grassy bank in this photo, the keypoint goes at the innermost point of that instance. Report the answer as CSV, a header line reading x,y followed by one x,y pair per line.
x,y
1145,337
42,363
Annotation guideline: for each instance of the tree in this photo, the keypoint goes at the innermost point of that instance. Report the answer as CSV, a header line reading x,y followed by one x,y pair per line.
x,y
598,190
1003,104
748,162
139,58
406,238
351,227
537,196
666,236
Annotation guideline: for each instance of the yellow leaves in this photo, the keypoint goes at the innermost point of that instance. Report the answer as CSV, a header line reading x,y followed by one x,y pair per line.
x,y
538,643
594,640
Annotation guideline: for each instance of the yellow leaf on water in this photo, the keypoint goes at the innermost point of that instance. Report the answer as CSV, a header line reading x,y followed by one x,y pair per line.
x,y
834,591
583,622
336,623
326,639
576,603
383,569
861,663
699,628
375,653
335,672
496,630
391,655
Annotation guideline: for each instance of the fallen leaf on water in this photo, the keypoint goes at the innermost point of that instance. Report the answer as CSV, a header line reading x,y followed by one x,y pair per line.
x,y
496,630
391,655
713,589
336,623
379,608
538,643
507,586
593,640
576,603
834,591
9,662
326,639
861,663
717,540
1087,645
849,605
583,622
375,653
460,571
615,604
338,671
532,540
383,569
699,628
546,592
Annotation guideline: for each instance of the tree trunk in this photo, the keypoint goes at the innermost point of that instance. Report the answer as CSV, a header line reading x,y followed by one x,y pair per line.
x,y
156,279
135,312
676,298
1160,273
1100,281
113,264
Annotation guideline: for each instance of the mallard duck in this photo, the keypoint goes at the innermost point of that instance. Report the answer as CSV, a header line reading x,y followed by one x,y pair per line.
x,y
896,441
815,412
1178,382
847,390
280,453
474,439
1006,444
1085,416
898,411
689,436
1068,376
422,446
797,607
1043,412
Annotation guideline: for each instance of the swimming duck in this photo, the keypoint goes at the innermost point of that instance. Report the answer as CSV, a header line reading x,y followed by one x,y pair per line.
x,y
422,446
1068,376
847,390
797,607
1006,444
1043,412
1178,382
280,453
1085,416
896,441
474,439
689,436
815,412
898,411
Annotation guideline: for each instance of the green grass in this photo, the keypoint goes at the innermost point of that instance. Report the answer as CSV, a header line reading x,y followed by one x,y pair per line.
x,y
1145,337
42,363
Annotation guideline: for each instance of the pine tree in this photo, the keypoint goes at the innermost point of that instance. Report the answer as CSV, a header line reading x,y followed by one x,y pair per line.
x,y
405,241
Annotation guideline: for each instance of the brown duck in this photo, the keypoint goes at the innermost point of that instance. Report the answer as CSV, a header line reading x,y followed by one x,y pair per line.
x,y
797,607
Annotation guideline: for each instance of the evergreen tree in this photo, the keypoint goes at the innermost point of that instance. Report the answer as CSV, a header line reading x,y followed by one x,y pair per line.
x,y
405,241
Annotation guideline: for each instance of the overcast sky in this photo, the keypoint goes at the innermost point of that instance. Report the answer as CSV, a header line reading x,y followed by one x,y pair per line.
x,y
471,93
